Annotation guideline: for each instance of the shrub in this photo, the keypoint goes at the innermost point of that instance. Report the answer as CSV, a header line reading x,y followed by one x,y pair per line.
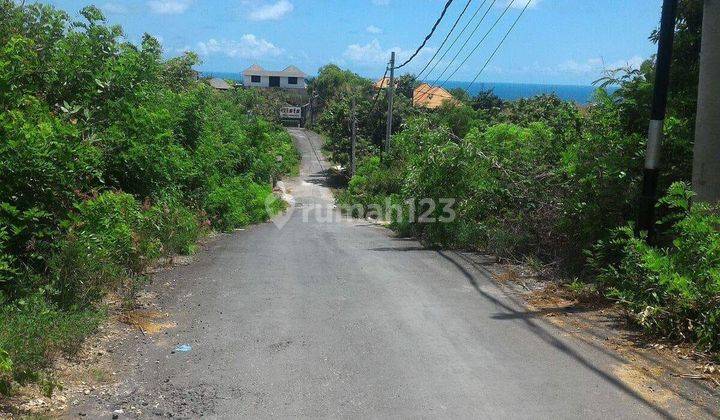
x,y
103,246
176,227
239,202
116,220
7,261
673,290
35,330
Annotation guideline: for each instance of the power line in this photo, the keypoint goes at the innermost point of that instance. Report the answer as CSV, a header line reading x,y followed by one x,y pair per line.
x,y
427,38
501,42
480,42
446,37
452,44
468,40
377,95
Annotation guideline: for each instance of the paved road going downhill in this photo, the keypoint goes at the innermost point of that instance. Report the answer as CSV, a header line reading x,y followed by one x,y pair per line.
x,y
342,319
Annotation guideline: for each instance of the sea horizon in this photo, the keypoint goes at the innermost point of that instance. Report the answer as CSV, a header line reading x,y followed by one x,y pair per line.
x,y
508,91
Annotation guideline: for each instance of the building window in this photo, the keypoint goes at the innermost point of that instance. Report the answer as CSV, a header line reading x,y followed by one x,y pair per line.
x,y
292,80
255,79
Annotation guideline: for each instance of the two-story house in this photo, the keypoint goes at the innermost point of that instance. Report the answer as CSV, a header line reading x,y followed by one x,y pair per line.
x,y
290,78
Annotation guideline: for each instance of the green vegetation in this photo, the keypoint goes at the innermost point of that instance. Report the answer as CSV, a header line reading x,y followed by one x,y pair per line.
x,y
545,179
110,157
675,290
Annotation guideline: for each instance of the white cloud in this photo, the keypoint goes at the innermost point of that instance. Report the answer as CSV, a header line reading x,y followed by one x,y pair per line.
x,y
374,29
249,47
569,71
370,53
272,11
114,8
634,62
595,66
169,7
520,4
374,53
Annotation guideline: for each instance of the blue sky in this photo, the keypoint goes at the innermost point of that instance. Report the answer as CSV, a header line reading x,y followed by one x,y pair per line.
x,y
556,41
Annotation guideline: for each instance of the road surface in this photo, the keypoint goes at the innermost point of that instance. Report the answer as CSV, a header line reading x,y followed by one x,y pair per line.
x,y
342,319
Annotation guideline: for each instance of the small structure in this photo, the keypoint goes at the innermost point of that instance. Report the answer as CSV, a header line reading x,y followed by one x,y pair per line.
x,y
383,83
431,97
219,84
290,78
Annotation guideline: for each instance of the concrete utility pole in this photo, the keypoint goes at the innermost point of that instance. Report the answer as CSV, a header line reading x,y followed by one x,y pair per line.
x,y
706,159
390,92
646,218
310,115
353,138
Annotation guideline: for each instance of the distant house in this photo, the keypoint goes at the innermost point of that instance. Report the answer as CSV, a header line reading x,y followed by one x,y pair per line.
x,y
219,84
383,83
290,78
431,97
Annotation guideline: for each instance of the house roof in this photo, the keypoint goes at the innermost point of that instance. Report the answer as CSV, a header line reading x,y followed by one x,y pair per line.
x,y
289,71
431,97
383,83
219,84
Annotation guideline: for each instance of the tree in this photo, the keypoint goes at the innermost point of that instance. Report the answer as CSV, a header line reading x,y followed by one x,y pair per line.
x,y
406,85
487,100
460,94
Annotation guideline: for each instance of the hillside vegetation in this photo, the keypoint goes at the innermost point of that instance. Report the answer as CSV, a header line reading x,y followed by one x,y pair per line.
x,y
110,157
546,180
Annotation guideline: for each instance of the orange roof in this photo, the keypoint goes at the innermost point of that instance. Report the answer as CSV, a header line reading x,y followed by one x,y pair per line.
x,y
383,83
431,97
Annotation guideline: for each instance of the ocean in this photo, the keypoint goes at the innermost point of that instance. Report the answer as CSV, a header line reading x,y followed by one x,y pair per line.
x,y
581,94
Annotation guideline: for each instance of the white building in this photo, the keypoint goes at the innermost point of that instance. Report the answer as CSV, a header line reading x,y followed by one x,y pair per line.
x,y
290,78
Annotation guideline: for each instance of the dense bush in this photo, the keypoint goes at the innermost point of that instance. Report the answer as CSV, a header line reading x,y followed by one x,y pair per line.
x,y
110,157
240,202
35,331
675,289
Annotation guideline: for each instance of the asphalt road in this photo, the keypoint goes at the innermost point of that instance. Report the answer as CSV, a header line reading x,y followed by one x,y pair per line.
x,y
327,319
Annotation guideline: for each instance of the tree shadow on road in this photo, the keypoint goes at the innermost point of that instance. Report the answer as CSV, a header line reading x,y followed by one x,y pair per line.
x,y
528,317
533,319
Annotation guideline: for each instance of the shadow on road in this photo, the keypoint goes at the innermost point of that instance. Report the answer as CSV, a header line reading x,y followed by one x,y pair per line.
x,y
534,323
327,178
549,338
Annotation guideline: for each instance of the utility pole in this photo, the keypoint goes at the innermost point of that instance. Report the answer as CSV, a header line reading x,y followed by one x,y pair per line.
x,y
390,92
353,138
706,159
646,218
311,111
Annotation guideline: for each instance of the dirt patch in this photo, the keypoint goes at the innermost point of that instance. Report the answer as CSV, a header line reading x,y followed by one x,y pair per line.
x,y
148,321
552,297
643,380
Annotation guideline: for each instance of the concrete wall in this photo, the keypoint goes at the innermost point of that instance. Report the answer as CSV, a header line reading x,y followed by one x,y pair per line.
x,y
265,82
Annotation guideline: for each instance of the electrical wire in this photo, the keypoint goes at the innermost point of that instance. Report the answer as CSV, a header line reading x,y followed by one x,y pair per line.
x,y
501,43
462,47
452,44
477,45
446,37
377,95
427,38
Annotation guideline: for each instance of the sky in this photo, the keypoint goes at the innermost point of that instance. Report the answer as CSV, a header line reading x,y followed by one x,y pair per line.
x,y
554,42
